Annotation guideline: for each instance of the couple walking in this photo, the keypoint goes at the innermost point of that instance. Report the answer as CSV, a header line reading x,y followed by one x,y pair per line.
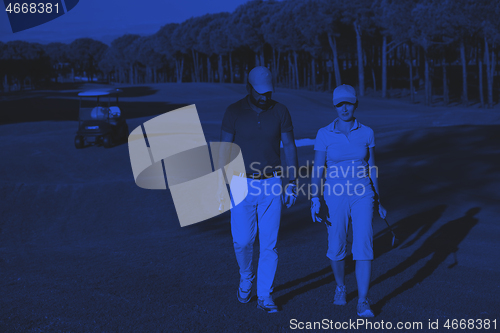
x,y
257,124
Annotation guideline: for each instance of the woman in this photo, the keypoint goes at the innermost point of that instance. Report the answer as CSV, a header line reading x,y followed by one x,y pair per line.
x,y
350,192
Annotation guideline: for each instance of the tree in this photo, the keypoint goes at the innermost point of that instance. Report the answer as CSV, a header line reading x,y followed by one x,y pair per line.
x,y
149,57
358,13
108,63
283,33
181,48
491,34
221,43
248,21
163,43
86,54
58,52
205,47
394,18
24,61
327,20
306,20
132,54
118,59
59,56
433,27
465,26
185,39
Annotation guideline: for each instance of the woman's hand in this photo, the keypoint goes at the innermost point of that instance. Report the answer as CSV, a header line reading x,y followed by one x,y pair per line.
x,y
315,206
382,211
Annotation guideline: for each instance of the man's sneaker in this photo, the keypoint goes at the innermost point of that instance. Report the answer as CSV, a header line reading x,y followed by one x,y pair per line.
x,y
364,309
245,291
267,304
340,295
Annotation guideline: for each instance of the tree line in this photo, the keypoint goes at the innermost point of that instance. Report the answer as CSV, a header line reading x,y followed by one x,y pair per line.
x,y
441,47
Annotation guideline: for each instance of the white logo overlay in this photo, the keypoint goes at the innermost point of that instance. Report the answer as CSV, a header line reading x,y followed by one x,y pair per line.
x,y
171,150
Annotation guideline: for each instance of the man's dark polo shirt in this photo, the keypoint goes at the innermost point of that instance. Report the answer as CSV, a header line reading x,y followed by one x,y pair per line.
x,y
257,134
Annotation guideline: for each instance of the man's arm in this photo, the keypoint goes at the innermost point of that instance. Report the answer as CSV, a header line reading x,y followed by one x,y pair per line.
x,y
290,150
224,149
223,159
292,165
226,137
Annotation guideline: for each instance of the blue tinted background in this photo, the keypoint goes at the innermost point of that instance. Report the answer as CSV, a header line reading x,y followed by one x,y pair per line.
x,y
82,248
107,20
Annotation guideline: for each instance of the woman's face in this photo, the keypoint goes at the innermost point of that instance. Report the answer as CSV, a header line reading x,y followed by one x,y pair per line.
x,y
345,111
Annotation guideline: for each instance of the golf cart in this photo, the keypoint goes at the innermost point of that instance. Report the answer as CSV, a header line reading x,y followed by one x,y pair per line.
x,y
101,122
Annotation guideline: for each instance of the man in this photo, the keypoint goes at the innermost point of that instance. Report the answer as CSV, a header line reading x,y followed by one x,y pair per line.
x,y
257,124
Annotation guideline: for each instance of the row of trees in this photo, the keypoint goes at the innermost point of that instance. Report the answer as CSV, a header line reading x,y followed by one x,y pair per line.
x,y
306,43
24,63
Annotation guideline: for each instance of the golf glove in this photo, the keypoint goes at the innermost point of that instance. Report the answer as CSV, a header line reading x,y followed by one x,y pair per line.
x,y
315,206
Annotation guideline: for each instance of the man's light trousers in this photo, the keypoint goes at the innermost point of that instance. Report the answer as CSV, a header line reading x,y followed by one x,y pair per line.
x,y
260,210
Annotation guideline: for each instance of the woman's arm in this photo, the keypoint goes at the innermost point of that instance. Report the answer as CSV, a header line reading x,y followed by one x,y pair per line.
x,y
373,173
317,173
315,188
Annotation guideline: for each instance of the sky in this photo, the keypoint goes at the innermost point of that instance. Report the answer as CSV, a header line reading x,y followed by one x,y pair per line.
x,y
106,20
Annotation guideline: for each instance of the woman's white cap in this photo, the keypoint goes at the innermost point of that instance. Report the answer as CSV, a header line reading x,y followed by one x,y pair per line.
x,y
344,93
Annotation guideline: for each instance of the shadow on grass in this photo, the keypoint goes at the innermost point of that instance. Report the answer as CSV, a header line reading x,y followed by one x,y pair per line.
x,y
54,109
440,245
439,162
55,88
71,90
132,110
311,285
417,223
138,91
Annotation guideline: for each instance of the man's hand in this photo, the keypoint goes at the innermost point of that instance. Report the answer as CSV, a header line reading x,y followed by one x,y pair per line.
x,y
315,206
290,194
220,192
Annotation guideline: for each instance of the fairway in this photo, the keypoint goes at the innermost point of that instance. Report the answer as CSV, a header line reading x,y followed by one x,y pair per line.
x,y
83,249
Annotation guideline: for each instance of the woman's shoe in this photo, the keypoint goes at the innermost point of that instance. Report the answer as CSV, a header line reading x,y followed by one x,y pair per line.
x,y
340,295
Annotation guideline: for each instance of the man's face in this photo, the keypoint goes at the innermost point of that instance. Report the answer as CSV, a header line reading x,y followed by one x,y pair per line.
x,y
345,110
261,101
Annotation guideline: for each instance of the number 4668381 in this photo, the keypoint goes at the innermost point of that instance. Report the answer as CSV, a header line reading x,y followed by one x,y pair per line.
x,y
32,8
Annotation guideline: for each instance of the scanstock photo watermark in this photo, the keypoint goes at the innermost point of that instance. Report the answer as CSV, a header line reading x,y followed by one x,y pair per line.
x,y
365,324
170,151
340,179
